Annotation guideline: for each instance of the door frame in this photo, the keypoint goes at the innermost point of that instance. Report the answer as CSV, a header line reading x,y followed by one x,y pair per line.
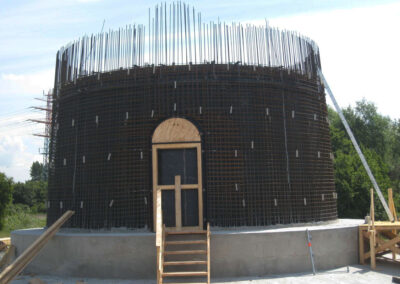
x,y
199,185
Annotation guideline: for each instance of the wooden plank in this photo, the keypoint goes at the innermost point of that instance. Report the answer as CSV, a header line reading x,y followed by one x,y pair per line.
x,y
208,253
183,229
372,232
366,235
391,204
388,234
186,273
383,225
158,219
176,130
26,257
186,232
185,242
166,187
158,265
387,245
178,209
172,186
7,241
380,241
200,186
155,183
162,251
372,249
173,252
393,248
393,210
372,210
177,145
186,262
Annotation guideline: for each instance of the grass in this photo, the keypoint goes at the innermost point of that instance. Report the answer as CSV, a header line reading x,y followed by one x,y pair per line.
x,y
21,217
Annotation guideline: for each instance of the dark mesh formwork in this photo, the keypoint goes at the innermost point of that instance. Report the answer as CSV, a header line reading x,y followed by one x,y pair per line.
x,y
265,139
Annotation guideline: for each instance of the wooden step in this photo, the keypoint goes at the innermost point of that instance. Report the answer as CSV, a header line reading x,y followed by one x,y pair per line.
x,y
185,262
185,242
167,252
186,233
183,274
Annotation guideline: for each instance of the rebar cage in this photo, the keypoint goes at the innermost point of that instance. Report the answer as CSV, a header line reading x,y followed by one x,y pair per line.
x,y
253,92
265,138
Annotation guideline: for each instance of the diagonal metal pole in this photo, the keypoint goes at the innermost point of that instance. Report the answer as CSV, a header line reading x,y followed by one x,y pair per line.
x,y
309,238
353,140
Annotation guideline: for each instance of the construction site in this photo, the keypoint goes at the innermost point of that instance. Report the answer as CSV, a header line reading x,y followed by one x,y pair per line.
x,y
183,151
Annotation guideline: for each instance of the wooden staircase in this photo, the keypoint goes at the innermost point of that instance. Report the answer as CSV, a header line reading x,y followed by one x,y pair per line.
x,y
185,257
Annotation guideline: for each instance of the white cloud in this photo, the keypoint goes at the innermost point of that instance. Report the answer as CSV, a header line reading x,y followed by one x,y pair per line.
x,y
8,147
359,52
18,147
16,157
26,84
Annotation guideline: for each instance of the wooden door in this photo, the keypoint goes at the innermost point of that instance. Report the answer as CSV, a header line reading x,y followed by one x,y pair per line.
x,y
177,173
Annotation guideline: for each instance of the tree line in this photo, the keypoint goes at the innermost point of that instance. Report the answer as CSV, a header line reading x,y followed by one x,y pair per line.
x,y
379,139
378,136
29,196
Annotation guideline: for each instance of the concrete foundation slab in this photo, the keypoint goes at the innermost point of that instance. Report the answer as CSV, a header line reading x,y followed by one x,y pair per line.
x,y
234,253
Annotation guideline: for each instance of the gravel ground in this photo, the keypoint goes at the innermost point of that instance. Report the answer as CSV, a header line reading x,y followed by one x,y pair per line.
x,y
352,274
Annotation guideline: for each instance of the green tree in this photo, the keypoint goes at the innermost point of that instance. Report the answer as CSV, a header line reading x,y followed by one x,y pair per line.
x,y
39,192
38,172
32,193
369,127
22,194
393,155
372,131
6,186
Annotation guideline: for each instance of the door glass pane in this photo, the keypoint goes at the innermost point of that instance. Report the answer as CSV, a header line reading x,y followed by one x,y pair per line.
x,y
168,207
190,207
173,162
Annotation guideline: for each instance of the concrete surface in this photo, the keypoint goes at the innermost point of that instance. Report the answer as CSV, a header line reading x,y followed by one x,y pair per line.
x,y
284,250
356,274
108,255
234,253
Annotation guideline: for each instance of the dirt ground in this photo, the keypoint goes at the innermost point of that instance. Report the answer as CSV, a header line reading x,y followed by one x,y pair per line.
x,y
352,274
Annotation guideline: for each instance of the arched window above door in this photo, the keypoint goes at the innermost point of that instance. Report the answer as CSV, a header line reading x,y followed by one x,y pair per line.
x,y
176,130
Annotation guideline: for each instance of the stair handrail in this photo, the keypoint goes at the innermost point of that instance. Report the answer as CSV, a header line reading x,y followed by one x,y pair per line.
x,y
161,266
160,236
208,253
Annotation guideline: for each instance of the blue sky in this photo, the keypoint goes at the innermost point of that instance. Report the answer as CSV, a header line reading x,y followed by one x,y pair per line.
x,y
357,40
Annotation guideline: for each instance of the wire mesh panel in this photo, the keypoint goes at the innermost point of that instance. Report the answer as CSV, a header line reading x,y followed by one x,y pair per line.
x,y
265,139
